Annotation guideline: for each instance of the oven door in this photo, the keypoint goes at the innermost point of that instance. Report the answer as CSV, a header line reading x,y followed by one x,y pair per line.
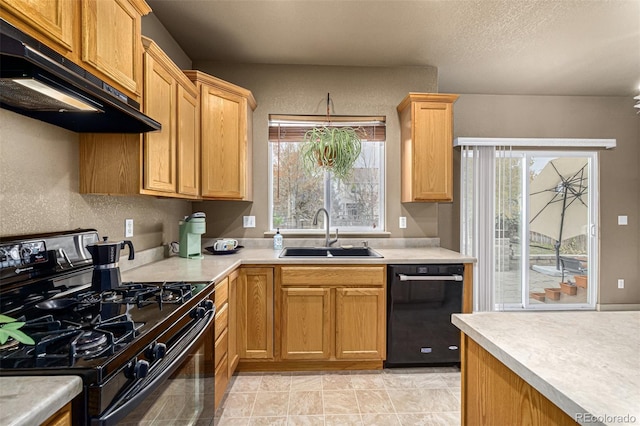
x,y
179,387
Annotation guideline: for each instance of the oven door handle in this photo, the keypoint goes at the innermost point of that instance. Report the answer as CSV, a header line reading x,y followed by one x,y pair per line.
x,y
404,277
179,353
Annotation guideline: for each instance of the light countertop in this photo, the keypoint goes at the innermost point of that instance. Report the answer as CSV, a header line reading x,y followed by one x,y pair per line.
x,y
32,400
583,362
213,267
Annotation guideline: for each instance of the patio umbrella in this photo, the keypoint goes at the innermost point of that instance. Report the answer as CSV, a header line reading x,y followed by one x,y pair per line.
x,y
558,200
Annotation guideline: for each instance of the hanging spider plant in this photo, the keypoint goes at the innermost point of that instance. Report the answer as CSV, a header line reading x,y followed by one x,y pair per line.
x,y
329,148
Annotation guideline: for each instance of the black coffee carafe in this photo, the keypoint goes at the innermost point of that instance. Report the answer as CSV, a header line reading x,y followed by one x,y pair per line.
x,y
105,255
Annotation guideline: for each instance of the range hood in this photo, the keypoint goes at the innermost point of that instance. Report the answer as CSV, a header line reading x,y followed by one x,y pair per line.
x,y
37,82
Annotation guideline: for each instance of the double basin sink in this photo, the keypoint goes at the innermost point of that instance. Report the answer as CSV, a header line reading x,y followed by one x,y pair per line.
x,y
323,252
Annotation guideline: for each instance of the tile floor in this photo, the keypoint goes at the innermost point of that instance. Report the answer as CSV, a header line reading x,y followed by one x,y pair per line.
x,y
421,396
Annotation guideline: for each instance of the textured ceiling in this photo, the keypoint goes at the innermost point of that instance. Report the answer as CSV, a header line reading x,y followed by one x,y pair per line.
x,y
560,47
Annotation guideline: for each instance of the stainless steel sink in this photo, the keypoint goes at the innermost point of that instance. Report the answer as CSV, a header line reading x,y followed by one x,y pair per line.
x,y
329,252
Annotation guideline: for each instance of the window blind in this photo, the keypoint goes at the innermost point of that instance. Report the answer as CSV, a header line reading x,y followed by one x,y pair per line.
x,y
292,128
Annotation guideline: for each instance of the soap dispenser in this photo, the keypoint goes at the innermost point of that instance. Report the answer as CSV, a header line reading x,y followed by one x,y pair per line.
x,y
277,240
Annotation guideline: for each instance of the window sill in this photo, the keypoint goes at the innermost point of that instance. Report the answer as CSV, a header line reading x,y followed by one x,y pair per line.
x,y
320,233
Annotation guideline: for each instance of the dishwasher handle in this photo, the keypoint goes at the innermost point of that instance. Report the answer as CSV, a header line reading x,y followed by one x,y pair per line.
x,y
404,277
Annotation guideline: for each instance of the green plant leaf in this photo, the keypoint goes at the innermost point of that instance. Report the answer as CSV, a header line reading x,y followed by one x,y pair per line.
x,y
9,328
5,319
20,336
13,325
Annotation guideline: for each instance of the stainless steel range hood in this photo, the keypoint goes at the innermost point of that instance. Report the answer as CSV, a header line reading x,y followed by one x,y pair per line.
x,y
37,82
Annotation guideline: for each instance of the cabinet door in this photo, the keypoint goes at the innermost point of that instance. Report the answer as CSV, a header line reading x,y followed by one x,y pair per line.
x,y
255,313
360,323
188,140
232,351
432,152
111,40
160,146
46,20
306,323
223,119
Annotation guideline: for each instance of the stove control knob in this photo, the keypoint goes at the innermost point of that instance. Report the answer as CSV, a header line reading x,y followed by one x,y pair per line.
x,y
137,369
155,352
208,304
198,313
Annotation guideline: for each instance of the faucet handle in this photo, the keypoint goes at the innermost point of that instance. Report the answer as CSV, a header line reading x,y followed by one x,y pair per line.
x,y
330,242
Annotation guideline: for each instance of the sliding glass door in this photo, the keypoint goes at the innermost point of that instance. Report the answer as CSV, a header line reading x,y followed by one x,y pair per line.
x,y
541,210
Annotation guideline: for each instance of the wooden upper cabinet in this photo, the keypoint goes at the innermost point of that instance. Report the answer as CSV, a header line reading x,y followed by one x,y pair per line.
x,y
172,155
50,21
110,33
426,134
160,104
101,36
188,141
163,163
226,115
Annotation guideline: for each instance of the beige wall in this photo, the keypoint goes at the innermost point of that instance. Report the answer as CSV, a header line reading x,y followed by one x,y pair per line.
x,y
574,117
39,190
291,89
153,28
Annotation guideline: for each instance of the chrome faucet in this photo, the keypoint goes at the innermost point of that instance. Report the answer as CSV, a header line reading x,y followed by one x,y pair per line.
x,y
327,234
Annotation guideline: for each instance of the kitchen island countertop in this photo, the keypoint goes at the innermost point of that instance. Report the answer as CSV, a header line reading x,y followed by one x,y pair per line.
x,y
586,363
213,267
32,400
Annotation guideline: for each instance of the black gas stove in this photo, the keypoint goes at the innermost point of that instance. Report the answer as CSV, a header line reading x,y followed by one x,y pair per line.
x,y
124,341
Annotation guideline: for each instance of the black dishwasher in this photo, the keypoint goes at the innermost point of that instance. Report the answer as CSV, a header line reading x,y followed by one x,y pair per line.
x,y
420,301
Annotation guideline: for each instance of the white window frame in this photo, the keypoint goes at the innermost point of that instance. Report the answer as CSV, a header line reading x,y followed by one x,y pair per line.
x,y
327,200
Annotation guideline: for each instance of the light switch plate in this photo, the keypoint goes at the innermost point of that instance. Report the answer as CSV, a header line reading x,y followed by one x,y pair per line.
x,y
128,228
249,221
620,283
402,222
622,220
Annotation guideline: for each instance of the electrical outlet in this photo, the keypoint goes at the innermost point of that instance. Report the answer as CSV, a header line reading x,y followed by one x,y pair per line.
x,y
620,283
403,222
249,221
128,228
622,220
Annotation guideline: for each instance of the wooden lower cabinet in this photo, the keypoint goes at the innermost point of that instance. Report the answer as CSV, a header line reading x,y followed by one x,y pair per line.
x,y
492,394
332,313
225,333
306,323
232,349
360,323
62,417
221,339
221,380
255,313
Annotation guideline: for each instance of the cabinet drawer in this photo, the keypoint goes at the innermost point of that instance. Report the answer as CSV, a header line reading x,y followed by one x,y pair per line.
x,y
221,380
333,276
220,347
221,320
222,293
